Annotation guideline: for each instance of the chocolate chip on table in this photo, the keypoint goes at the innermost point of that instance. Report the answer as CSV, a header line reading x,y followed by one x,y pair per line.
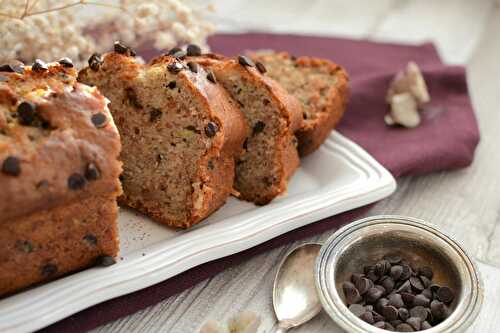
x,y
211,77
39,66
66,62
245,61
211,129
11,166
76,182
48,270
258,127
193,66
99,120
351,294
105,261
175,67
91,239
92,172
95,61
260,67
123,49
171,85
357,309
445,294
26,111
193,50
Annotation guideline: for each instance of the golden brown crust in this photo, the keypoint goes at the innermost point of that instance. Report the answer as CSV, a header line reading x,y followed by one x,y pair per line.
x,y
66,182
211,187
314,132
47,244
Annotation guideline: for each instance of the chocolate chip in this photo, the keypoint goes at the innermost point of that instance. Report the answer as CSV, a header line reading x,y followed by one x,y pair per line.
x,y
181,54
408,298
425,325
175,67
39,66
95,61
396,300
357,309
193,67
445,294
381,303
173,50
76,182
416,283
425,281
211,129
396,272
11,166
245,61
211,77
105,261
260,67
363,284
380,267
421,300
351,294
390,313
355,277
99,120
404,288
427,293
48,270
377,316
404,328
258,127
6,68
66,62
26,113
172,84
367,317
92,172
91,239
426,271
154,115
403,313
25,246
123,49
388,283
434,287
373,294
193,50
372,275
419,312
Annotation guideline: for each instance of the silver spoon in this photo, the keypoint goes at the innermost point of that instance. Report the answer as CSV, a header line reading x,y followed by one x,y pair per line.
x,y
295,299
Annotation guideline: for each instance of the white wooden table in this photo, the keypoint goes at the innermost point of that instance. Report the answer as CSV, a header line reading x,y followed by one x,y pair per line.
x,y
464,203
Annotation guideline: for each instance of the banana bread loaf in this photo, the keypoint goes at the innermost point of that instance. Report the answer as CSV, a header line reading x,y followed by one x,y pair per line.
x,y
321,86
58,175
270,153
180,134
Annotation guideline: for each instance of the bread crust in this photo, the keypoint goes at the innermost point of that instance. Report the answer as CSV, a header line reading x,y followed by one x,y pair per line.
x,y
211,188
68,179
313,133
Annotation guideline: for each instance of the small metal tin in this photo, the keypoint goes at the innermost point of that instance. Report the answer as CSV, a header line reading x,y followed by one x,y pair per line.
x,y
365,241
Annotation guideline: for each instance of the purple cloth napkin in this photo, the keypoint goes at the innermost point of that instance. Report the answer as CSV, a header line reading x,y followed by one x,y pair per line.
x,y
446,140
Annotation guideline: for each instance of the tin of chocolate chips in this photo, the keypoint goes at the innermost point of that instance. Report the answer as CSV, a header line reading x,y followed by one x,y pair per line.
x,y
11,166
245,61
193,50
99,120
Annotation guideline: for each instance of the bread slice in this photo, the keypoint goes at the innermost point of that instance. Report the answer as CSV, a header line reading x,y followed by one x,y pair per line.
x,y
321,86
270,155
180,134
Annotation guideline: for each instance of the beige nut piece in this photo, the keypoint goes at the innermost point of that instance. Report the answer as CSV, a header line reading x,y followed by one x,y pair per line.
x,y
404,110
411,81
245,322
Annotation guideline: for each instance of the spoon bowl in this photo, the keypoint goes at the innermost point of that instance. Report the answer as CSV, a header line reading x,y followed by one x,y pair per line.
x,y
295,299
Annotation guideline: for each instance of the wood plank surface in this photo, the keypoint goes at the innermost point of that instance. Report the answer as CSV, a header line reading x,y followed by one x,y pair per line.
x,y
464,203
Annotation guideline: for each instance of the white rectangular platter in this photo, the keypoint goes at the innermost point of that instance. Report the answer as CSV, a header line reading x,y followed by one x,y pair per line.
x,y
340,176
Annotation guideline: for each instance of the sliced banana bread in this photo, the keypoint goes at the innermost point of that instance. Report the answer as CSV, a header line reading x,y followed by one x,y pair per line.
x,y
321,86
270,150
59,174
180,134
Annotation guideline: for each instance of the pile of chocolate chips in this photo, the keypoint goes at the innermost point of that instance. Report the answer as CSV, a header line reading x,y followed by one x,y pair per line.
x,y
394,295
